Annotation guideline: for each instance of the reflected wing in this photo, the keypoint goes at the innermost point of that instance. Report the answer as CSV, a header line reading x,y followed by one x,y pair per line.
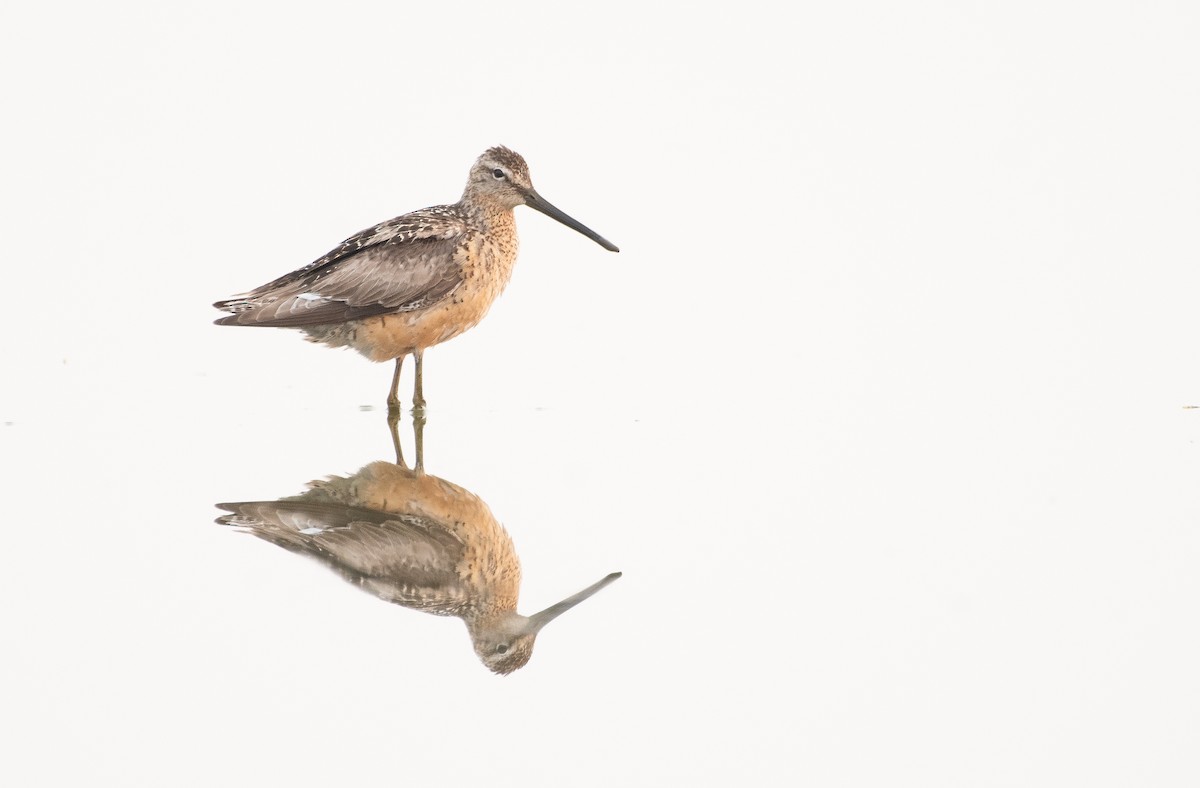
x,y
407,263
406,559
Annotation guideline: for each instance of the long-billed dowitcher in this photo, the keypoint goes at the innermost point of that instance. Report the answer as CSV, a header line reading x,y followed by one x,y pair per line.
x,y
412,282
415,540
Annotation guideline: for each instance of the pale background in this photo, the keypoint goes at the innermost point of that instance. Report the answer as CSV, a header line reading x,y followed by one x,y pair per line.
x,y
883,409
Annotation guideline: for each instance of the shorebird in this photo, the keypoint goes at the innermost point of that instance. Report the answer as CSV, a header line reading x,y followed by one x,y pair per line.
x,y
415,540
412,282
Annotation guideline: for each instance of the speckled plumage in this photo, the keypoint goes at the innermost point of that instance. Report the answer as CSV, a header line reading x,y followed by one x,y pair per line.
x,y
411,282
415,540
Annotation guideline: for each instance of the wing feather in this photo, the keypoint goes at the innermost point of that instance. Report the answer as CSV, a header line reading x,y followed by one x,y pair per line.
x,y
407,263
402,558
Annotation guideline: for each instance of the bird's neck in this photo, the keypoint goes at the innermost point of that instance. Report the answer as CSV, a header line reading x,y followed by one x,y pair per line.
x,y
501,620
486,212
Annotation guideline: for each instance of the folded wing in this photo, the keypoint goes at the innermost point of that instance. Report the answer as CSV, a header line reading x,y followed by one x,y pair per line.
x,y
408,263
406,559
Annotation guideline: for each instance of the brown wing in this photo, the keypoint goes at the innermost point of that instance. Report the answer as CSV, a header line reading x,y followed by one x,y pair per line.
x,y
405,559
407,263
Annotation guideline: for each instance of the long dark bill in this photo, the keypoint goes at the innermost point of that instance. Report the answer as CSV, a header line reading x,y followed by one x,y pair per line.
x,y
539,620
539,203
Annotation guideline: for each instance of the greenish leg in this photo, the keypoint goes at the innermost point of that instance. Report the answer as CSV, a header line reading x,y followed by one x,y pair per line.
x,y
419,437
418,393
393,422
393,399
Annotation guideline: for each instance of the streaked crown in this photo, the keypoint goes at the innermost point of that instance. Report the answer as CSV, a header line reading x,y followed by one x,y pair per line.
x,y
499,177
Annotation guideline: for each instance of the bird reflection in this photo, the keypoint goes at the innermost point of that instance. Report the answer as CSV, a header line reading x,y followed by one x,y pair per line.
x,y
416,540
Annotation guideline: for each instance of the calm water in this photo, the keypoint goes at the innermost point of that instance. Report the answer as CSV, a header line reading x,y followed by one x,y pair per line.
x,y
882,410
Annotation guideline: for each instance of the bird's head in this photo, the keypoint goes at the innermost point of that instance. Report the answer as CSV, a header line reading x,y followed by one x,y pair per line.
x,y
505,643
500,179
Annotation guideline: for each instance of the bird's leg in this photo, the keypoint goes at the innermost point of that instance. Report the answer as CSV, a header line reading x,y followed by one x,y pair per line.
x,y
393,417
393,399
419,438
418,394
393,423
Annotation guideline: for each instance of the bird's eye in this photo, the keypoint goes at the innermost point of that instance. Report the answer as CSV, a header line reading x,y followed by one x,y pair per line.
x,y
503,647
498,174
